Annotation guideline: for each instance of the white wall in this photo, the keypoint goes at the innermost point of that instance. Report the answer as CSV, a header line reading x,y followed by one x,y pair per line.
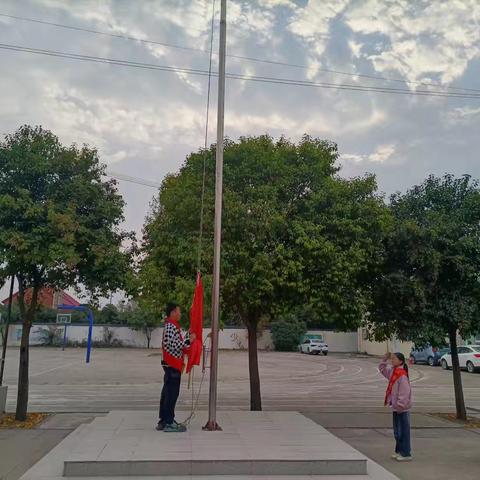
x,y
380,348
79,333
339,341
229,338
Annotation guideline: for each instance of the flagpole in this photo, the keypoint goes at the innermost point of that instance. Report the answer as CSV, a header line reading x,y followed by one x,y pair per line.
x,y
212,401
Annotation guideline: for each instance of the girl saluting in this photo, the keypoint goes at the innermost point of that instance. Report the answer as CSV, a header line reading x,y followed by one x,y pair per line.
x,y
399,397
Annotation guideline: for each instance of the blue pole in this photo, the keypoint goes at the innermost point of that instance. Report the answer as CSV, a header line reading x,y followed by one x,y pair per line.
x,y
89,313
64,337
90,328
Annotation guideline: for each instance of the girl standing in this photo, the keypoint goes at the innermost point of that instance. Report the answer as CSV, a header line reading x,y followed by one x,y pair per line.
x,y
399,397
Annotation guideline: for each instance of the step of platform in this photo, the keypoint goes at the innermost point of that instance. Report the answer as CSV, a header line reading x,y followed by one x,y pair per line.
x,y
251,443
52,466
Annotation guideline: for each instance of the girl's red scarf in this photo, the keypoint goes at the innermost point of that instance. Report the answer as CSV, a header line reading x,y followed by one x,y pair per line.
x,y
396,374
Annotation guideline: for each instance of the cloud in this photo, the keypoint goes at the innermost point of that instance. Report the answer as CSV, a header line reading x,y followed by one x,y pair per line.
x,y
260,123
425,40
355,47
381,155
146,122
344,122
192,16
313,21
277,3
311,24
463,115
90,10
104,122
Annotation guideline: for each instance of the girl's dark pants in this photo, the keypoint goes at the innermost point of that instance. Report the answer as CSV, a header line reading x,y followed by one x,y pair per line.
x,y
401,432
170,392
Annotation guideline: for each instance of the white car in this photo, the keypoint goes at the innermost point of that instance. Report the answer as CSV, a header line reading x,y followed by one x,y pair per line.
x,y
313,345
468,357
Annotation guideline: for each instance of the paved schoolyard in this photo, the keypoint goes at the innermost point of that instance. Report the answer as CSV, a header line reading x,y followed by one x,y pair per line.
x,y
342,392
131,379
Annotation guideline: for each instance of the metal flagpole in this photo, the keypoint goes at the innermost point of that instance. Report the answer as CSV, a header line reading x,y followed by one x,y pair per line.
x,y
212,401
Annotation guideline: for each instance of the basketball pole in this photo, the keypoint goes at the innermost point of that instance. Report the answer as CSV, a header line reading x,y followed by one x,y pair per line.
x,y
212,399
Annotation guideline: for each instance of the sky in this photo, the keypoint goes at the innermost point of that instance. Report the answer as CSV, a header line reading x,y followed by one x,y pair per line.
x,y
145,122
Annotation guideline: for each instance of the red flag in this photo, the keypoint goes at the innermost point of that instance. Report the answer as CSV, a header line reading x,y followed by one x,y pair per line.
x,y
196,325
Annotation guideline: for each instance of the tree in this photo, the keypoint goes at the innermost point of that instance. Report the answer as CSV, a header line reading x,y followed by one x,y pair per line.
x,y
287,333
51,335
108,315
293,234
142,320
429,286
59,226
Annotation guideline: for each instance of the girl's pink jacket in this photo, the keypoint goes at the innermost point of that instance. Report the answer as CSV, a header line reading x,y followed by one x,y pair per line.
x,y
401,398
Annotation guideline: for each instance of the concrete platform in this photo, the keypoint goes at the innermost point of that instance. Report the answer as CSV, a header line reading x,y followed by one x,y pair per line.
x,y
252,445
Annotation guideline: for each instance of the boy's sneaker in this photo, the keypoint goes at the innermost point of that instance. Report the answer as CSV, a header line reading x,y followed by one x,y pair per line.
x,y
175,428
160,426
395,455
404,459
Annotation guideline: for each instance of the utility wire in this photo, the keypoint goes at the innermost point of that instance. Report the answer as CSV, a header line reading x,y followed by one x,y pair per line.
x,y
98,32
353,87
235,76
240,57
130,179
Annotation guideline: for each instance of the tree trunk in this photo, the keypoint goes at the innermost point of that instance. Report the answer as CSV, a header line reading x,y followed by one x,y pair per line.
x,y
27,320
148,334
255,395
22,394
457,377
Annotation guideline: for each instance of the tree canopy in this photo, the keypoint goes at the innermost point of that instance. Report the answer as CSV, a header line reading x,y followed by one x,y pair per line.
x,y
429,286
60,220
59,225
295,235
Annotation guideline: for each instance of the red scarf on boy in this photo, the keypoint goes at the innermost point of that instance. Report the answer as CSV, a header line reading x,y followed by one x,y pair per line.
x,y
396,374
168,355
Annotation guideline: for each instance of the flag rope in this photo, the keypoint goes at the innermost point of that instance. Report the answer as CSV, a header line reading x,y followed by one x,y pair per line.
x,y
196,399
205,146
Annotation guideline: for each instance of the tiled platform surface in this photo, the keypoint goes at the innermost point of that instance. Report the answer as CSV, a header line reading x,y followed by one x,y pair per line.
x,y
251,445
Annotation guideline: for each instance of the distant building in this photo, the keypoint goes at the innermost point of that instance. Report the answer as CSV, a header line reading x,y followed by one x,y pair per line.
x,y
48,298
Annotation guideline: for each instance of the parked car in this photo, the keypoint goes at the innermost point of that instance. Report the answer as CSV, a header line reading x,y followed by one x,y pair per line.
x,y
313,345
429,355
468,357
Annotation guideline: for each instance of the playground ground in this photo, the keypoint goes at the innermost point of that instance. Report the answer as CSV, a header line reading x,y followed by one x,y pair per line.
x,y
343,392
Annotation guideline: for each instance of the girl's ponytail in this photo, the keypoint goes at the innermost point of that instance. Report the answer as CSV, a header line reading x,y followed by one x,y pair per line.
x,y
401,357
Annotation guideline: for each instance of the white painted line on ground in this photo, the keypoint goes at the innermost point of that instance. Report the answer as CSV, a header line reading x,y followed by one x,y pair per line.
x,y
338,372
51,370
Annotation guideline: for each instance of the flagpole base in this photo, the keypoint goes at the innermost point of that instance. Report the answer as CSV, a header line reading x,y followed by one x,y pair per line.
x,y
212,426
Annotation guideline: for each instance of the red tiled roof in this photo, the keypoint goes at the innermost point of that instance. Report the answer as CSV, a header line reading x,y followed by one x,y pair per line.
x,y
46,298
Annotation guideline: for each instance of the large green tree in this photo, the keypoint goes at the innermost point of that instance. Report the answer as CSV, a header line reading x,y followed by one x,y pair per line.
x,y
295,236
428,288
141,320
59,226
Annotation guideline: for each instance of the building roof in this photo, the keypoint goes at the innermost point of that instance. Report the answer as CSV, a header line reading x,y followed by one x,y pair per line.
x,y
49,298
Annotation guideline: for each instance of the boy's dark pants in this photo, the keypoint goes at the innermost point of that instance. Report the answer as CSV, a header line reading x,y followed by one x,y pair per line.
x,y
170,392
401,432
